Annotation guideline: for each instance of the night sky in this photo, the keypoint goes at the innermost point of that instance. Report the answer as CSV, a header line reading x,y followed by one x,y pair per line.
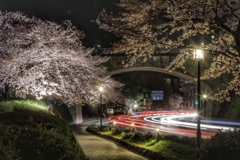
x,y
80,12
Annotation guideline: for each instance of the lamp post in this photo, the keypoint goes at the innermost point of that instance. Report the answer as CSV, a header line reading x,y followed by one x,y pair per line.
x,y
198,55
204,107
101,90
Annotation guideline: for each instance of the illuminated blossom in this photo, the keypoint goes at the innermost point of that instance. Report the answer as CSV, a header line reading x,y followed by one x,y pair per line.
x,y
43,58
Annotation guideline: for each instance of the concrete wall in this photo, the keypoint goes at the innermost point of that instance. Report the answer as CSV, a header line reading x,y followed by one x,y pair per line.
x,y
76,113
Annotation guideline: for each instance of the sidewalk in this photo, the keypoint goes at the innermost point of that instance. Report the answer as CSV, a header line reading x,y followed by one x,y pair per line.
x,y
97,148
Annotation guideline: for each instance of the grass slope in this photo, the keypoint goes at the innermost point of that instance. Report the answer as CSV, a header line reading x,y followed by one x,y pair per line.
x,y
29,132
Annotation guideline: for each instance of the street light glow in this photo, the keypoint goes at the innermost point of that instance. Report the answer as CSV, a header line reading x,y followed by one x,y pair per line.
x,y
101,89
204,96
198,54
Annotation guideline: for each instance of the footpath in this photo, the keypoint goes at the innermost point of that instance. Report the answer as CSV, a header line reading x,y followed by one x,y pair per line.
x,y
97,148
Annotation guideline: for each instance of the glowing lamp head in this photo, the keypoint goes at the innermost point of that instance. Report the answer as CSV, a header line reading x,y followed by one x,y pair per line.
x,y
198,54
132,124
204,96
114,123
157,129
101,89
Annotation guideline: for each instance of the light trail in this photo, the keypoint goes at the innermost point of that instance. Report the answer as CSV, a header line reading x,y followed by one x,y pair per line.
x,y
170,122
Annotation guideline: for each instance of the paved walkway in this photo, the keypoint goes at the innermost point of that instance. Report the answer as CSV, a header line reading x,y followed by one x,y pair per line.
x,y
97,148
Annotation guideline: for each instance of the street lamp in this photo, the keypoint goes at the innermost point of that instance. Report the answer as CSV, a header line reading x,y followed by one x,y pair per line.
x,y
101,90
204,107
198,55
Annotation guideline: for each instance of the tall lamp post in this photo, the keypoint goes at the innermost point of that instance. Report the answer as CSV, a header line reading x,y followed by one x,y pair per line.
x,y
100,112
204,107
198,55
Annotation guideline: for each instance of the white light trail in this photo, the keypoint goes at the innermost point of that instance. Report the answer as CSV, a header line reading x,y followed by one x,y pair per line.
x,y
172,120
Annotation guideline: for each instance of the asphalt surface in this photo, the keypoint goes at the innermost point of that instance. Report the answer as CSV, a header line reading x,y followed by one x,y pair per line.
x,y
97,148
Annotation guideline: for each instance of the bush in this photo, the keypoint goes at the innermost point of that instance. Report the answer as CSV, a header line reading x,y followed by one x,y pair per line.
x,y
8,138
173,138
224,145
127,130
115,131
26,142
174,150
191,141
148,136
137,137
33,119
126,135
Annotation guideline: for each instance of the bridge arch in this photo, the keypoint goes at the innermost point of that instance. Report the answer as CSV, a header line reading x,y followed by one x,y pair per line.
x,y
205,89
152,69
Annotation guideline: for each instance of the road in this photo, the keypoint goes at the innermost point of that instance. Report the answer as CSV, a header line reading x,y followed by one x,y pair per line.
x,y
170,122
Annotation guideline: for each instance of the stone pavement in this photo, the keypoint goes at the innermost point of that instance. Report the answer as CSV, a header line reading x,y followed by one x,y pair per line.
x,y
97,148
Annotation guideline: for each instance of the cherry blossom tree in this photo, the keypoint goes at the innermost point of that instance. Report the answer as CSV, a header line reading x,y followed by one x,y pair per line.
x,y
147,25
43,58
112,91
130,104
189,90
175,101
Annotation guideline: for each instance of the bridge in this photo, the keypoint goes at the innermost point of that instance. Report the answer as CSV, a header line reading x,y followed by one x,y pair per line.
x,y
159,62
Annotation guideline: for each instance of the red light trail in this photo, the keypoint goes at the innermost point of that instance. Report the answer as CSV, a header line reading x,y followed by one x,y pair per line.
x,y
167,122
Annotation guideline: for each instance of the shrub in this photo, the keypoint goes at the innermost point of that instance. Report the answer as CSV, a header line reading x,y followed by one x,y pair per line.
x,y
191,141
174,150
173,138
224,145
115,131
105,129
137,137
148,136
126,135
8,138
26,142
36,135
127,130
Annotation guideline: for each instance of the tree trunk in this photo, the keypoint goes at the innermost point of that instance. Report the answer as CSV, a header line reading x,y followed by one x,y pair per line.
x,y
22,95
7,92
